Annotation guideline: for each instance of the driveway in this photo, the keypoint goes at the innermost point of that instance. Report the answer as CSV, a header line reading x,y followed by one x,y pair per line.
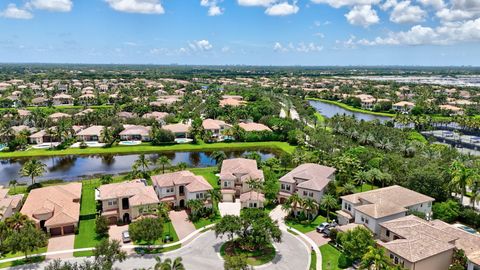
x,y
183,226
202,254
59,243
318,238
115,232
229,208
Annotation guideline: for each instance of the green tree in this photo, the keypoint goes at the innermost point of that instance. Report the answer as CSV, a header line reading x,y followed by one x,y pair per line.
x,y
33,168
101,225
182,166
448,211
26,239
13,183
195,207
17,221
328,202
168,264
108,252
106,179
142,162
461,177
356,242
218,156
311,208
163,161
292,203
375,259
147,230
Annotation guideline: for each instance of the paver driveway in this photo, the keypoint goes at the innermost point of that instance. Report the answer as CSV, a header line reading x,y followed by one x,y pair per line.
x,y
115,232
318,238
183,226
59,243
229,208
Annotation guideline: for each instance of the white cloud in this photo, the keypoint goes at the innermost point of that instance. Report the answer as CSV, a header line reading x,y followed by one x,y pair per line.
x,y
437,4
256,3
403,12
213,8
226,49
301,47
137,6
201,45
451,33
13,12
362,15
341,3
51,5
282,9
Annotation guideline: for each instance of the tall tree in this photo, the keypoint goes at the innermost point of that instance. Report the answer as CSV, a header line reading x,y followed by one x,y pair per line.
x,y
146,230
375,259
328,202
461,177
26,239
163,161
142,162
33,168
169,264
108,252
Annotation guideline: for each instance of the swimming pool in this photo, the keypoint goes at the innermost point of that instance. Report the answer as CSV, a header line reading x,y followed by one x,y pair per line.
x,y
129,142
183,140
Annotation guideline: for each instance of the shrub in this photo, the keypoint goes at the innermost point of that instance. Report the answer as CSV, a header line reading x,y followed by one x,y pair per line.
x,y
34,186
101,225
83,145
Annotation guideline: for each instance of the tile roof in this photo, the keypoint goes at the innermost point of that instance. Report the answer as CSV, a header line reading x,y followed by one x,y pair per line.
x,y
254,127
252,196
192,182
136,190
309,176
177,128
396,194
244,168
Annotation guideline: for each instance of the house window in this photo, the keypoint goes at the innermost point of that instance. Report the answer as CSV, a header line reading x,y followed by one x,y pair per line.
x,y
349,207
288,187
305,193
199,195
283,186
113,202
345,205
363,219
311,194
366,220
421,205
225,184
387,233
395,260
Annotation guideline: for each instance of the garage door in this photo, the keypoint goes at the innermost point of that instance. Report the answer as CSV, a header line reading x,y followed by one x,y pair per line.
x,y
68,229
55,231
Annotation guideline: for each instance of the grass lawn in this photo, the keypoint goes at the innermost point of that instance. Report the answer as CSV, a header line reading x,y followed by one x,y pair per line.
x,y
147,148
21,254
208,173
168,229
140,250
206,221
254,258
313,260
88,253
23,261
332,258
365,187
307,227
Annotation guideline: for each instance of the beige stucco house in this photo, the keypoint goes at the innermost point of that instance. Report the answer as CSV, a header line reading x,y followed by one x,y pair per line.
x,y
126,201
9,204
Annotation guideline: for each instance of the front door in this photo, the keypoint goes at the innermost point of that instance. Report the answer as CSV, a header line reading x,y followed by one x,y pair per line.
x,y
126,218
182,203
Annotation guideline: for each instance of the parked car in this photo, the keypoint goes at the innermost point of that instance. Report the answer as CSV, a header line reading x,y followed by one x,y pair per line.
x,y
322,227
126,237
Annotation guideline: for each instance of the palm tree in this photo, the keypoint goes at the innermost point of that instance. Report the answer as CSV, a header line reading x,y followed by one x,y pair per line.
x,y
182,166
360,178
256,185
162,211
461,177
33,168
218,156
214,195
13,183
195,206
328,202
142,162
293,202
18,221
163,161
255,156
347,188
475,187
375,259
311,207
168,264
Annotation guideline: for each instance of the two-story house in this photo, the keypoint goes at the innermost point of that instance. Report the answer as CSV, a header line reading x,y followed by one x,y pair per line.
x,y
126,201
178,188
308,180
9,204
235,175
216,127
373,207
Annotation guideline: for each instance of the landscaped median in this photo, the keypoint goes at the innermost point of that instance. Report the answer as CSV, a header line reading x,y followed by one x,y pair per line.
x,y
148,148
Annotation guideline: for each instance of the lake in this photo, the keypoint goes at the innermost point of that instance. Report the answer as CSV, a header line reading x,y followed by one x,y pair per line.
x,y
330,110
70,168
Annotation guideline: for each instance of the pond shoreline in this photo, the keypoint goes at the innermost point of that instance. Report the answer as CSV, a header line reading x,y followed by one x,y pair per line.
x,y
147,148
350,108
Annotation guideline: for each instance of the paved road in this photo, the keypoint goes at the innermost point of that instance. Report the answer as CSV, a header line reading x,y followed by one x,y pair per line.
x,y
202,254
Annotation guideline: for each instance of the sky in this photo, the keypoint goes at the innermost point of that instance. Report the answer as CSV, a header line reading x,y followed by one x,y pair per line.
x,y
242,32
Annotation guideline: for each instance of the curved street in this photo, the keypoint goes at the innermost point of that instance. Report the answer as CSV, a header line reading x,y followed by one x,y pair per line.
x,y
203,254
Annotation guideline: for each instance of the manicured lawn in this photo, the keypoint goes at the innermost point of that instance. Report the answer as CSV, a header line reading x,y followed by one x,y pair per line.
x,y
168,229
313,260
206,221
365,187
254,258
21,254
147,148
332,258
87,253
23,261
307,227
140,250
86,236
208,173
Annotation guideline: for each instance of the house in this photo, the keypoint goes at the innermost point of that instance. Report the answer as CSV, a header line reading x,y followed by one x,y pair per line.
x,y
157,116
39,101
42,136
380,205
216,127
254,127
87,99
9,205
231,102
252,199
403,106
55,209
62,99
367,101
178,188
452,110
57,116
308,180
126,115
135,133
179,130
234,176
126,201
90,134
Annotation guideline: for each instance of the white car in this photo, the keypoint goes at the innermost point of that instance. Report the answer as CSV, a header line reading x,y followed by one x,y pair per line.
x,y
126,237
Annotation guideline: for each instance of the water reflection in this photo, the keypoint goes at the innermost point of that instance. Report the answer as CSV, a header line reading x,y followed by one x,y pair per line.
x,y
330,110
77,167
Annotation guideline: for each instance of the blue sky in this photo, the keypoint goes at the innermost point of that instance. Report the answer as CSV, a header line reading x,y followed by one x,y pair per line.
x,y
257,32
